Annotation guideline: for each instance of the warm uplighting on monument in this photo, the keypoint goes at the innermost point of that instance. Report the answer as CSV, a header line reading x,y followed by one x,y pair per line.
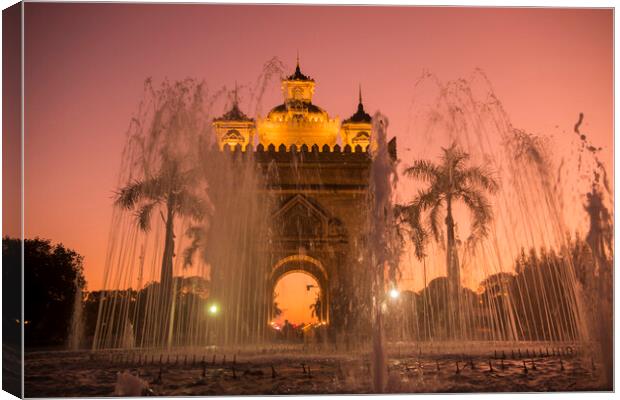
x,y
355,130
234,128
298,120
394,293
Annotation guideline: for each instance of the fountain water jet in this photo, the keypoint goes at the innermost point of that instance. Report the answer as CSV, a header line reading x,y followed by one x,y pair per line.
x,y
383,249
535,296
76,333
219,258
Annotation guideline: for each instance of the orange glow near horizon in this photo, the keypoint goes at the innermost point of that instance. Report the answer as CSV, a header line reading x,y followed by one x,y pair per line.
x,y
86,64
295,293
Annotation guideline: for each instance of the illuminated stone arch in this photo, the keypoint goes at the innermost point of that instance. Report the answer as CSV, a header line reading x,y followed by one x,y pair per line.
x,y
307,265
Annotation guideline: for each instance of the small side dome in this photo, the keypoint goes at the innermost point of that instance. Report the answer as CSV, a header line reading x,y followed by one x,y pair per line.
x,y
360,116
356,130
234,128
234,114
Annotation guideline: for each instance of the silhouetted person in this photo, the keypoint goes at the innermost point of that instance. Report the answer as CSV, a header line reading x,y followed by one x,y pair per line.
x,y
287,329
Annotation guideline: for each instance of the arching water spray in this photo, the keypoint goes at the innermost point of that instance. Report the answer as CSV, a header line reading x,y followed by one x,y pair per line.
x,y
523,272
187,218
158,194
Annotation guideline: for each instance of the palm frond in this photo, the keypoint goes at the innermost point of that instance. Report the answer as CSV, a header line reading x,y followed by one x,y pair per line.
x,y
143,216
129,196
419,237
190,205
411,216
428,198
453,156
481,177
434,223
481,213
423,170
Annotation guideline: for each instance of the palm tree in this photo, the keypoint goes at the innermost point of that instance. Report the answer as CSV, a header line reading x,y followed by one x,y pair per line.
x,y
450,181
169,191
315,307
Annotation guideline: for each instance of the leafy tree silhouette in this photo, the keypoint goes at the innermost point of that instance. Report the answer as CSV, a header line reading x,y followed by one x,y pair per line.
x,y
50,274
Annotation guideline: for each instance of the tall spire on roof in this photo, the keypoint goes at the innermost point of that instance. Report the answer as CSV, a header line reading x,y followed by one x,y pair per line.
x,y
297,69
360,88
356,130
360,106
236,98
361,115
297,75
235,113
234,128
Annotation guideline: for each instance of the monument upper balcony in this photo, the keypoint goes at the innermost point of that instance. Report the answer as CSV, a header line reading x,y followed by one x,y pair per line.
x,y
296,122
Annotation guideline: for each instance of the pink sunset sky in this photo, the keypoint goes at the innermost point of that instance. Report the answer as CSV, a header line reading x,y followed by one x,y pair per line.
x,y
85,65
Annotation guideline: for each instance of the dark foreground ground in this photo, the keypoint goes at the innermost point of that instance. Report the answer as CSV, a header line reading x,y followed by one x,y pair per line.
x,y
294,370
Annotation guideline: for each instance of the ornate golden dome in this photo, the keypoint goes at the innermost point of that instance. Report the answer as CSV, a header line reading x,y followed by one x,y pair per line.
x,y
298,121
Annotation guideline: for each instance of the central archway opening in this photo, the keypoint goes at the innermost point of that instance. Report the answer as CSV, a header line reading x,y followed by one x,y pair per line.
x,y
297,301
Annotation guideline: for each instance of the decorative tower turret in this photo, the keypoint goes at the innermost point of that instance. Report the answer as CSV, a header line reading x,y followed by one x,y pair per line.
x,y
234,127
298,87
356,129
297,121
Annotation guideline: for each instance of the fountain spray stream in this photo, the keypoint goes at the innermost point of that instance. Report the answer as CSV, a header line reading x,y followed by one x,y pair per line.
x,y
76,335
158,195
381,240
598,285
522,269
185,232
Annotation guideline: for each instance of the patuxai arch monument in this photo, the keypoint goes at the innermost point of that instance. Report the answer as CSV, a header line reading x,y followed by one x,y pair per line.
x,y
319,198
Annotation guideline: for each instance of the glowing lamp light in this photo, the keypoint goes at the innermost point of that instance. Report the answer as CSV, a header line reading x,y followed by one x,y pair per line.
x,y
394,293
213,309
